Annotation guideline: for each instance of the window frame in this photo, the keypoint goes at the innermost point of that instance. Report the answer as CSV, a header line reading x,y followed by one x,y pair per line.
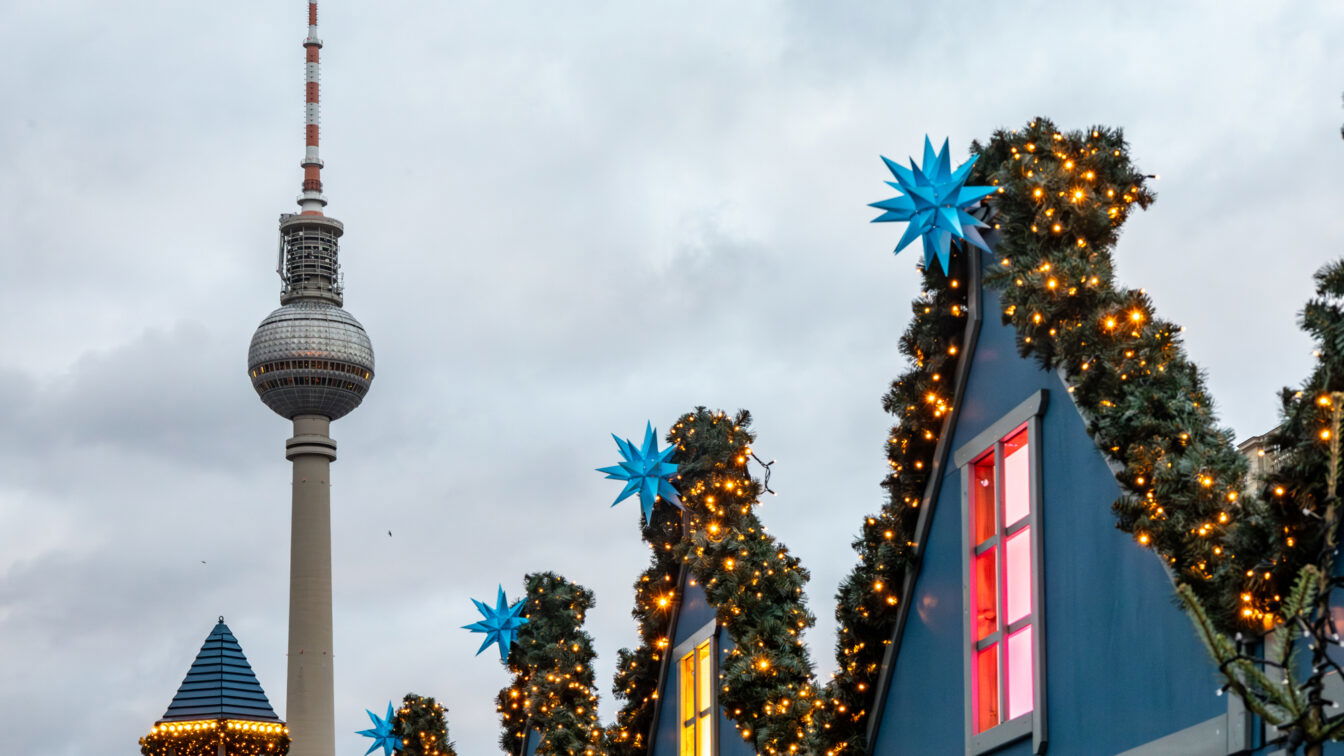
x,y
706,634
1026,415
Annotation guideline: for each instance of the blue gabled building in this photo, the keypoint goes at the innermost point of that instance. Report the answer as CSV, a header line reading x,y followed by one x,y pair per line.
x,y
687,717
1032,625
220,708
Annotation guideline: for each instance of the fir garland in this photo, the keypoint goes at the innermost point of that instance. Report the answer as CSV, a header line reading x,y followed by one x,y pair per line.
x,y
766,683
636,681
1062,202
1065,197
868,600
422,725
552,692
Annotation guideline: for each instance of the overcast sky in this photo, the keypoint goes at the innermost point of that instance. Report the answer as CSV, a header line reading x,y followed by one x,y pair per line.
x,y
562,219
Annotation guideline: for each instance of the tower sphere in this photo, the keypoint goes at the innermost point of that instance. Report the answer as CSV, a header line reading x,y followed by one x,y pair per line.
x,y
311,357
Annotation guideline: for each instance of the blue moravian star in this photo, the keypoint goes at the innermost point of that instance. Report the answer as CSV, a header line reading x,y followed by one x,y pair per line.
x,y
500,624
934,203
381,732
645,470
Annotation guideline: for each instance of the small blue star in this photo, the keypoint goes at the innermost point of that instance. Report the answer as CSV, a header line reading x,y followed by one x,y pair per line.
x,y
934,203
500,624
381,732
644,470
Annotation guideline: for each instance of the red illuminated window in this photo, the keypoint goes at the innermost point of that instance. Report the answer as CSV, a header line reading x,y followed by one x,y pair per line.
x,y
1002,569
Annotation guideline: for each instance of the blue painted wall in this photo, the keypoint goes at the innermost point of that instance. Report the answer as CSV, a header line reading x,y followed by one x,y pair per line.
x,y
694,614
1123,666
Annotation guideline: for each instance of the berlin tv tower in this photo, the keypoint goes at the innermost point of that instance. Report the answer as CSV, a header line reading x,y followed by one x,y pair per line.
x,y
311,362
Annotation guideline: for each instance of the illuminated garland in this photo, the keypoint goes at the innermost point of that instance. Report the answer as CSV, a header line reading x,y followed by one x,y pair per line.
x,y
203,738
636,681
422,725
553,693
766,683
1146,405
1064,199
868,600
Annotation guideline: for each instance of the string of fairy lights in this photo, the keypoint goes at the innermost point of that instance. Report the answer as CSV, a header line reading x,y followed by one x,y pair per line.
x,y
204,737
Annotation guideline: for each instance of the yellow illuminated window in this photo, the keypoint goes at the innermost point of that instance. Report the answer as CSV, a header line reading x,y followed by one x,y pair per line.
x,y
696,685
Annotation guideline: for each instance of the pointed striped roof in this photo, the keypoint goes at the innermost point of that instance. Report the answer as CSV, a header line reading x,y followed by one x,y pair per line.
x,y
220,684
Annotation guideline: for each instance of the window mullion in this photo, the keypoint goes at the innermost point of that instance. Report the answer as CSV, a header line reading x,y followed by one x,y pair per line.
x,y
1000,589
699,705
695,699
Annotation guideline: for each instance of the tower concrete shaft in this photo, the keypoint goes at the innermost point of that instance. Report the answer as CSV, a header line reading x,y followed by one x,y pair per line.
x,y
309,697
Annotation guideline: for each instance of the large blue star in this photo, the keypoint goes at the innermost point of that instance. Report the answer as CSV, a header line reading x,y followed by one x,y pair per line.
x,y
645,470
381,732
500,624
934,203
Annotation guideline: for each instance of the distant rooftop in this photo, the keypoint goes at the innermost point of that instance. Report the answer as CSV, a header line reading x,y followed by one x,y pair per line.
x,y
1260,459
220,684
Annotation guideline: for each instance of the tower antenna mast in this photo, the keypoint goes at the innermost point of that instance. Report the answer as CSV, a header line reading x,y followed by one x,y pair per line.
x,y
311,201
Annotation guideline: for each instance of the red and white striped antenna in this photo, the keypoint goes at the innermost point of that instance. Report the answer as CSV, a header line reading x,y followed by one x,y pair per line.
x,y
311,201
